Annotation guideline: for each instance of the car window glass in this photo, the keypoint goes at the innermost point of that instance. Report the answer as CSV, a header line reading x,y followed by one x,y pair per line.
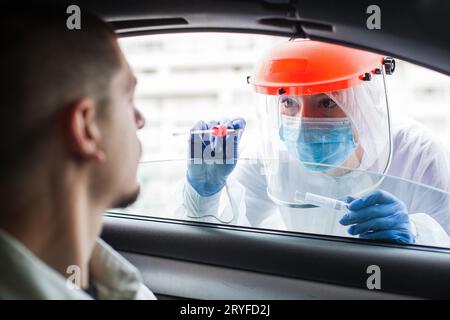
x,y
184,78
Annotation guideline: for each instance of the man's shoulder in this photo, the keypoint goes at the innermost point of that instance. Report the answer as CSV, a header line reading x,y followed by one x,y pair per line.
x,y
421,155
414,135
24,276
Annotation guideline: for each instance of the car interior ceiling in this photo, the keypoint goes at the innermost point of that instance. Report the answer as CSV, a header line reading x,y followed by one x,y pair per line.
x,y
413,31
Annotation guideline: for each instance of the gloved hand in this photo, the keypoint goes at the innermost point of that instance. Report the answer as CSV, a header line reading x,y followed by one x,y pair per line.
x,y
379,216
213,158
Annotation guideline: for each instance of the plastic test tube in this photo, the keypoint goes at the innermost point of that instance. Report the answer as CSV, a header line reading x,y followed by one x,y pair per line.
x,y
217,131
321,201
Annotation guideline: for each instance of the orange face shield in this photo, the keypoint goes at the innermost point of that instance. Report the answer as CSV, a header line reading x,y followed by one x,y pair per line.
x,y
324,119
305,67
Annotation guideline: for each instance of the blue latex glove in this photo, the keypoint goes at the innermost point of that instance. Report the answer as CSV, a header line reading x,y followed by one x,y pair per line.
x,y
216,159
379,216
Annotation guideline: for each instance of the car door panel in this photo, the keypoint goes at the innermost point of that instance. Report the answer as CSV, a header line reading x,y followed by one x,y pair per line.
x,y
214,256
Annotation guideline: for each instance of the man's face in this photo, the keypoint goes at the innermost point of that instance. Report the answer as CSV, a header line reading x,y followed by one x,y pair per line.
x,y
119,125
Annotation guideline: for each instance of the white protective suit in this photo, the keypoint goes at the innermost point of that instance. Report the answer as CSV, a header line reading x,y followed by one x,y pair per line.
x,y
416,157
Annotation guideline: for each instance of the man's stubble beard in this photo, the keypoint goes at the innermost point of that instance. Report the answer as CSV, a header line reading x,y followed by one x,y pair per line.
x,y
128,200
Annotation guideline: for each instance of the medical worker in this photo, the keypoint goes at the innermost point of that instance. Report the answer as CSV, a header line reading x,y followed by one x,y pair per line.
x,y
325,131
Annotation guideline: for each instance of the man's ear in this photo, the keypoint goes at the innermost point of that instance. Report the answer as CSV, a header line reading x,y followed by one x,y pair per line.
x,y
82,131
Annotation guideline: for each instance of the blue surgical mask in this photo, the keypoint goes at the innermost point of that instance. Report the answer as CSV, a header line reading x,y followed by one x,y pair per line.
x,y
327,141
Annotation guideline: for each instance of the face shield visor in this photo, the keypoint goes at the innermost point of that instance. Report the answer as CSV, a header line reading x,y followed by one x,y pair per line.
x,y
334,144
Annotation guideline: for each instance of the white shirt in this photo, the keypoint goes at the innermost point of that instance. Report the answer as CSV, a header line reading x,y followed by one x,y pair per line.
x,y
24,276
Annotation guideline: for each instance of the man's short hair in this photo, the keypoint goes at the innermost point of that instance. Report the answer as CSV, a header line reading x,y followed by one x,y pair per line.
x,y
45,67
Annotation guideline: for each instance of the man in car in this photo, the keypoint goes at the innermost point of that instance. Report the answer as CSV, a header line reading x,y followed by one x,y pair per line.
x,y
69,151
